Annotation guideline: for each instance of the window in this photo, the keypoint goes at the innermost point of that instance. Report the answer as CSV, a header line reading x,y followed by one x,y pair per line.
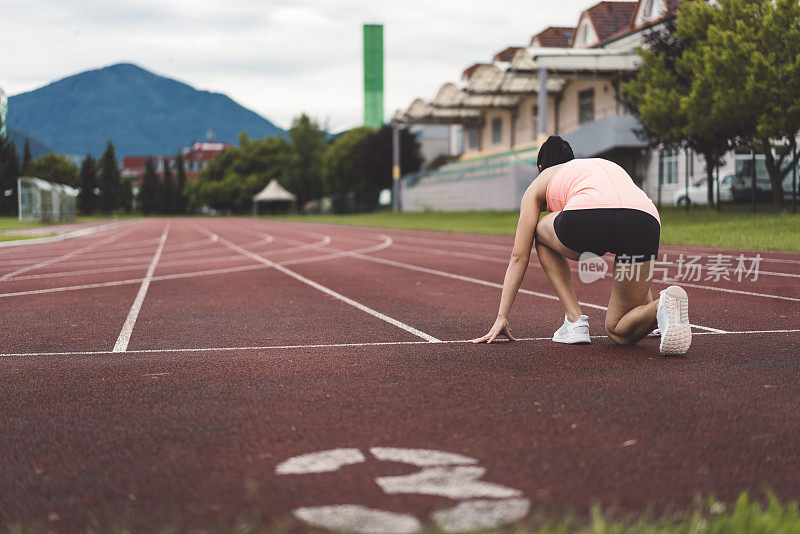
x,y
585,36
668,166
472,137
586,106
497,130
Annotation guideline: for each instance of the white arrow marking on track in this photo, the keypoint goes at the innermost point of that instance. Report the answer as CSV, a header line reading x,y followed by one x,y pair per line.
x,y
320,462
359,519
476,515
454,482
420,457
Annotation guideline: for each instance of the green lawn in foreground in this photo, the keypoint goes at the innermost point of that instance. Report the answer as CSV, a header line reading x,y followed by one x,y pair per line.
x,y
733,227
745,516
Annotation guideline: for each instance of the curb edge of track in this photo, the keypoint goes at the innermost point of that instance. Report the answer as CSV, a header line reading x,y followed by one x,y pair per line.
x,y
68,235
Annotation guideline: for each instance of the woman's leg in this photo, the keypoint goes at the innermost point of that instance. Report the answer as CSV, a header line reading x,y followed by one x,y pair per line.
x,y
553,258
631,311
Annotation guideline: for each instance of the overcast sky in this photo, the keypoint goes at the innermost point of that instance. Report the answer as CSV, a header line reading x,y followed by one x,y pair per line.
x,y
276,57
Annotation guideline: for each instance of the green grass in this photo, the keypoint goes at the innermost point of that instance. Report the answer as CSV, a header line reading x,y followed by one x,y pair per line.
x,y
745,516
11,223
733,227
5,237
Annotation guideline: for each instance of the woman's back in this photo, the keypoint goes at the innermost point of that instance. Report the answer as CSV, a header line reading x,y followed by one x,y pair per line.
x,y
595,183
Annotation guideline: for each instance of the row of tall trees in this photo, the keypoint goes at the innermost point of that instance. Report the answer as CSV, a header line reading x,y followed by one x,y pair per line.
x,y
724,74
163,194
9,172
353,168
100,184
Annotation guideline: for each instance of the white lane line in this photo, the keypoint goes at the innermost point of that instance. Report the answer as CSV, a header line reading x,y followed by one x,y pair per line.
x,y
127,328
671,249
172,263
346,345
574,270
203,254
67,235
192,274
386,243
655,281
64,274
323,289
68,255
115,283
487,283
29,258
726,290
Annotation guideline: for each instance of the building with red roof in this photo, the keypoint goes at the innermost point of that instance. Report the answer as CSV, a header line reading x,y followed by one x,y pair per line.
x,y
553,37
601,21
567,83
507,54
195,159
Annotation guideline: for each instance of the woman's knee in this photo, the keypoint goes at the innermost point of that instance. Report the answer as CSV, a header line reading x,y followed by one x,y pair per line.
x,y
616,336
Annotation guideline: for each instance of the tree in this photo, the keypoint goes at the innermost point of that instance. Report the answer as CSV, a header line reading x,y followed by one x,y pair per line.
x,y
148,193
109,181
750,60
55,168
308,145
378,162
27,158
9,172
673,103
167,190
343,162
126,194
180,186
233,178
360,162
87,199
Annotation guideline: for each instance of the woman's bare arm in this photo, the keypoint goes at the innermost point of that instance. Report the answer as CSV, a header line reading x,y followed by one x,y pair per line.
x,y
520,256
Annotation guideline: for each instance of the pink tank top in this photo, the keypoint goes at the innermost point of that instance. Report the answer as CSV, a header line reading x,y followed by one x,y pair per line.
x,y
582,184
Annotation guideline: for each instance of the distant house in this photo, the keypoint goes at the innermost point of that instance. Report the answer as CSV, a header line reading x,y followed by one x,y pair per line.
x,y
565,82
195,159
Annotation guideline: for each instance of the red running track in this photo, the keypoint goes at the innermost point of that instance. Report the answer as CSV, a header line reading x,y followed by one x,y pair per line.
x,y
162,372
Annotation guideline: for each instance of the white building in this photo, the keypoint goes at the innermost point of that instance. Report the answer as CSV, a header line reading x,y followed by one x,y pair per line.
x,y
565,82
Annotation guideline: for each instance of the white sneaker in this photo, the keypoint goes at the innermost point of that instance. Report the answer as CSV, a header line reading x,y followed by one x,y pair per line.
x,y
673,321
571,333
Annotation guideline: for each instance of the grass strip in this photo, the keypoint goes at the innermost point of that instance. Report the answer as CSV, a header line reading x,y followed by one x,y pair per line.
x,y
735,226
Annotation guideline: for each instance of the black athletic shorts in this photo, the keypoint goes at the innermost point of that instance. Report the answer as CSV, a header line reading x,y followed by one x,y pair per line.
x,y
632,235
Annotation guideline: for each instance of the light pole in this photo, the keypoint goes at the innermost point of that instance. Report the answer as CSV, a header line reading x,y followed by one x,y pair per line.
x,y
794,178
395,167
686,175
753,178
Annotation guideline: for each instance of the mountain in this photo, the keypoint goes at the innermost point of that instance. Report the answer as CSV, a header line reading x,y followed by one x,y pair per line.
x,y
18,138
141,112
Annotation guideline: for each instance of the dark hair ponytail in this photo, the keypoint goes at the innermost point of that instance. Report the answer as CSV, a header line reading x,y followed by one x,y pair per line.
x,y
554,151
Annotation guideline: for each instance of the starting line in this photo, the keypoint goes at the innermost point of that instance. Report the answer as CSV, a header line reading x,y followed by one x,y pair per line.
x,y
345,345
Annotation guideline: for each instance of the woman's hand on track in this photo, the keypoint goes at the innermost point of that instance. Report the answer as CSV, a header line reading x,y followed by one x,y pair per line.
x,y
500,327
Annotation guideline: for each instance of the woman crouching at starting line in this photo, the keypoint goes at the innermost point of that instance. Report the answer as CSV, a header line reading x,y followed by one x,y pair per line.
x,y
595,208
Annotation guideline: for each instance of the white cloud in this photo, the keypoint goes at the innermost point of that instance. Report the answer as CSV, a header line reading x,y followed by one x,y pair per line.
x,y
277,57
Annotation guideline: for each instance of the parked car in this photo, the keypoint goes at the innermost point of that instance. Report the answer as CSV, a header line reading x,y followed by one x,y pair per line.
x,y
698,191
743,182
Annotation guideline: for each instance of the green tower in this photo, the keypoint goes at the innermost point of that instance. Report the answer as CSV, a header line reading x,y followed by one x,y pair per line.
x,y
373,75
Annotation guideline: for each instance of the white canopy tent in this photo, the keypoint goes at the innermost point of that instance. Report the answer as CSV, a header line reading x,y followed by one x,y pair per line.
x,y
274,192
